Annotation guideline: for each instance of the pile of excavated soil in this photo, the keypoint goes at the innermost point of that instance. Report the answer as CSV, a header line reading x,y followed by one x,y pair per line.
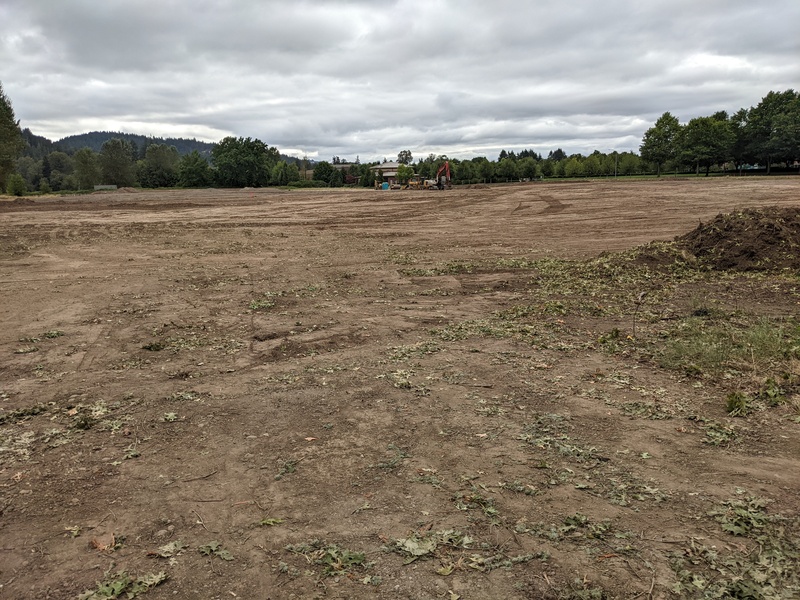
x,y
752,239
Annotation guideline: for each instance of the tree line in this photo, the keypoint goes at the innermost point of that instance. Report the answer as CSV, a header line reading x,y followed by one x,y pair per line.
x,y
234,162
767,135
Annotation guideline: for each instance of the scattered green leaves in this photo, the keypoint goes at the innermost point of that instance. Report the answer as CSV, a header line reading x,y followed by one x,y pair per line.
x,y
286,467
114,586
334,559
768,569
214,548
717,434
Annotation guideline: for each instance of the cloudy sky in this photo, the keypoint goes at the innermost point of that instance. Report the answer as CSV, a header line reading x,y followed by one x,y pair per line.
x,y
373,77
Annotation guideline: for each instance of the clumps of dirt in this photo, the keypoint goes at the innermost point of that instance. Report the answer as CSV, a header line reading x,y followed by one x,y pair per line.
x,y
753,239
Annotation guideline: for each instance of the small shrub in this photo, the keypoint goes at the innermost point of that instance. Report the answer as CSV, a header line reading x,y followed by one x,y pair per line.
x,y
307,183
16,185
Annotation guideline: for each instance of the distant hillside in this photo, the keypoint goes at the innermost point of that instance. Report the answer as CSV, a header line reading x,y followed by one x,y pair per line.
x,y
96,139
37,146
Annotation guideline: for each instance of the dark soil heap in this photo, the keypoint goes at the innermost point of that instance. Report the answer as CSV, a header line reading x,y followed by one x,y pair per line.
x,y
753,239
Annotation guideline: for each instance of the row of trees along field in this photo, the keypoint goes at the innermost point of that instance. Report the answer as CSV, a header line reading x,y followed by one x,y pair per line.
x,y
767,135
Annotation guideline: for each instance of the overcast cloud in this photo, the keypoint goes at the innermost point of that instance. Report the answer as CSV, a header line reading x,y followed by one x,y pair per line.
x,y
370,78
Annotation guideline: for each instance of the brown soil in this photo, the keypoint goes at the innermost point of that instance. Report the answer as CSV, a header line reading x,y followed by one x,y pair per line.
x,y
752,239
299,375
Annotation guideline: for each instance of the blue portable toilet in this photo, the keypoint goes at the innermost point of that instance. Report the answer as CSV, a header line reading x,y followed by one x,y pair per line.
x,y
385,185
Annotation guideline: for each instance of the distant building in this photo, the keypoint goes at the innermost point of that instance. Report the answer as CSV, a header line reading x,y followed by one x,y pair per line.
x,y
346,168
388,170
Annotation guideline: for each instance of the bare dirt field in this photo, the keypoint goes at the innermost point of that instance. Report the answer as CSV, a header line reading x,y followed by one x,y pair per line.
x,y
500,392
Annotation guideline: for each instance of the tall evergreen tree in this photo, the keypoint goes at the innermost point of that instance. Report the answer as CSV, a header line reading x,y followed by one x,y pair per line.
x,y
11,143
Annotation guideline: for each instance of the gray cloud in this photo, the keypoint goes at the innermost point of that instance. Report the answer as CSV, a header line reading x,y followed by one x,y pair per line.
x,y
371,78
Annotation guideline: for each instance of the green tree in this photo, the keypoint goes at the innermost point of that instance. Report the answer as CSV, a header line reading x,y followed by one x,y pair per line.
x,y
404,173
507,169
592,166
629,164
244,162
528,168
784,140
61,161
292,172
464,171
57,180
765,127
336,180
87,168
486,170
11,143
404,157
740,150
193,171
160,166
706,141
367,177
280,173
322,171
609,164
16,185
573,167
31,171
660,142
116,163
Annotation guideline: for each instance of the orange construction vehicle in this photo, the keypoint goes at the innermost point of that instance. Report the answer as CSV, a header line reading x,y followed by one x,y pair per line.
x,y
443,176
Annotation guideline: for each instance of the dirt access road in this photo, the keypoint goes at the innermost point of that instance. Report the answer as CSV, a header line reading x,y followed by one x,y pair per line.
x,y
359,394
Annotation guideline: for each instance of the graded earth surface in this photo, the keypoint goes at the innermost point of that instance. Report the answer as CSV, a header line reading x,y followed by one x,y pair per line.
x,y
472,393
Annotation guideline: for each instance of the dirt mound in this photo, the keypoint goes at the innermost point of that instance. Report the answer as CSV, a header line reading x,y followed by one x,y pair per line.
x,y
753,239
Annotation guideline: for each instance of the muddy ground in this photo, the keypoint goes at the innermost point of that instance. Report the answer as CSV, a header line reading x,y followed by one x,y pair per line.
x,y
359,394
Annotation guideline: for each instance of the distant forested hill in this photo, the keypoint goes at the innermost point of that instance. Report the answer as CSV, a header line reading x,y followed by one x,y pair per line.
x,y
37,146
95,140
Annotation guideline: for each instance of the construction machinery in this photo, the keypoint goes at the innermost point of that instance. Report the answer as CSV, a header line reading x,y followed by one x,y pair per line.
x,y
418,183
441,181
443,176
415,183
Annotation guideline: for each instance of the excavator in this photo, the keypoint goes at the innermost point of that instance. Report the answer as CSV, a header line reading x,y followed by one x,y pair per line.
x,y
443,176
